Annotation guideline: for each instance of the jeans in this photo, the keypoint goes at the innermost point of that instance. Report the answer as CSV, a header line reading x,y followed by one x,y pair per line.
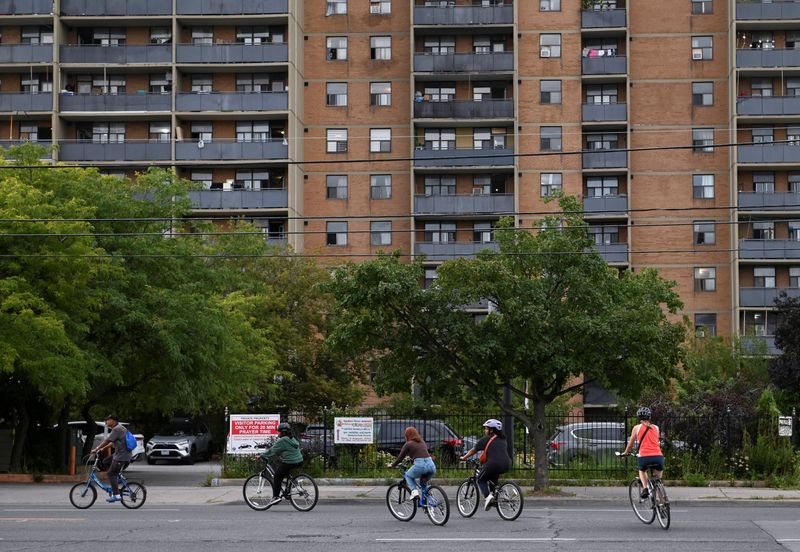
x,y
422,466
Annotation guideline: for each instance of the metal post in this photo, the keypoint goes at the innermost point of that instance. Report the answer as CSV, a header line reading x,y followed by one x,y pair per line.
x,y
225,450
508,420
325,440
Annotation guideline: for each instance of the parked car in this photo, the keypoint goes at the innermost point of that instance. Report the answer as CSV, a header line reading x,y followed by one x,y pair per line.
x,y
102,431
182,439
316,440
585,441
442,440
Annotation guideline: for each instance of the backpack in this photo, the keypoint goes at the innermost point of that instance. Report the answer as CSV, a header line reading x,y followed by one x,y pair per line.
x,y
130,440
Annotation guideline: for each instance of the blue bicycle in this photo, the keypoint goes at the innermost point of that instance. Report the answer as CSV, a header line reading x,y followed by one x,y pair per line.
x,y
84,494
432,499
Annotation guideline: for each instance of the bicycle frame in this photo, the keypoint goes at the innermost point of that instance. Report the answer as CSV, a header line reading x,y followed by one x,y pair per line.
x,y
94,480
424,483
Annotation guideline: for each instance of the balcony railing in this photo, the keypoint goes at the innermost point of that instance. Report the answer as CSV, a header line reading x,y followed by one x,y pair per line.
x,y
115,7
436,251
759,58
603,19
608,65
465,109
473,63
592,113
27,7
118,102
768,153
26,53
757,344
232,7
616,253
780,10
233,101
777,201
764,297
233,53
463,157
135,150
463,15
463,204
769,249
240,199
228,150
124,54
605,205
611,159
774,105
20,101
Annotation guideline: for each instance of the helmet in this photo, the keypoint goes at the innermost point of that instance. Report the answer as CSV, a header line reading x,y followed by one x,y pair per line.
x,y
284,427
644,413
494,424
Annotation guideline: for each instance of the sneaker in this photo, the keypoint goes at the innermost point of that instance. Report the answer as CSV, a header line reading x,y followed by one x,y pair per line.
x,y
645,493
414,494
489,502
115,498
274,501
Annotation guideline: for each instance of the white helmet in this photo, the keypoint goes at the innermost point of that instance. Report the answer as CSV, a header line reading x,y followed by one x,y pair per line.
x,y
494,424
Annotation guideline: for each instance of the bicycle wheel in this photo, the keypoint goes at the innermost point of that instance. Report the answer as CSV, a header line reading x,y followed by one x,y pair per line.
x,y
643,508
82,495
400,503
467,498
437,505
257,491
303,492
509,501
133,495
662,504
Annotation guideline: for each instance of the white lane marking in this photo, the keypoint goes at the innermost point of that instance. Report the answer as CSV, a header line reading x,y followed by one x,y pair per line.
x,y
73,509
481,539
625,510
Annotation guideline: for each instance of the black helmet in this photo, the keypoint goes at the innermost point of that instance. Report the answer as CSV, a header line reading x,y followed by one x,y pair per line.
x,y
284,427
644,413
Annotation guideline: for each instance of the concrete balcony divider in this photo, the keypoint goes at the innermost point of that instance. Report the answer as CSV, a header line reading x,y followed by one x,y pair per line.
x,y
233,53
115,7
116,103
769,249
605,205
764,297
778,201
604,159
240,199
435,251
768,153
776,105
613,252
231,7
777,57
136,53
611,65
233,101
26,53
771,11
603,19
463,157
467,63
591,113
26,102
141,150
464,15
227,150
27,7
463,204
465,109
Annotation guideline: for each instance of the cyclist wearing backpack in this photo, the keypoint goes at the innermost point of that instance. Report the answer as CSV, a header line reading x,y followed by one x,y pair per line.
x,y
647,435
287,448
495,458
118,438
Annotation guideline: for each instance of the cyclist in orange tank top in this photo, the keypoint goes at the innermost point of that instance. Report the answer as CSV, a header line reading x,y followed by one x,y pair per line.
x,y
647,434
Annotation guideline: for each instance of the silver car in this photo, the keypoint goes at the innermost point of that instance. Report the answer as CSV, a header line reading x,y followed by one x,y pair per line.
x,y
587,441
182,439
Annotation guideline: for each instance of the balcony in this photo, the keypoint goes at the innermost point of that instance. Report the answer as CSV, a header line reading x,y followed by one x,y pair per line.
x,y
115,7
232,7
233,101
26,53
463,157
22,101
777,201
606,205
463,15
782,10
615,253
764,297
759,105
437,251
757,344
603,19
233,53
468,63
228,150
125,54
768,153
225,200
116,103
136,150
758,58
609,65
769,249
463,204
28,7
465,109
605,113
611,159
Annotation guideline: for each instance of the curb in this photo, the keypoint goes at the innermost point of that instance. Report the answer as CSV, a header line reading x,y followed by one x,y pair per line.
x,y
30,478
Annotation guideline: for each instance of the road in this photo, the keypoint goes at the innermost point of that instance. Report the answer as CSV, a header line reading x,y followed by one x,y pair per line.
x,y
365,525
172,474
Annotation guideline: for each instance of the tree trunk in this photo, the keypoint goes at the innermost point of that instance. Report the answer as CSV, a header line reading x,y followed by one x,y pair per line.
x,y
20,436
64,440
91,431
539,429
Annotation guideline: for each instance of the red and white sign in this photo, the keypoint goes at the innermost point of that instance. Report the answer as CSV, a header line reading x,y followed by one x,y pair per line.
x,y
252,433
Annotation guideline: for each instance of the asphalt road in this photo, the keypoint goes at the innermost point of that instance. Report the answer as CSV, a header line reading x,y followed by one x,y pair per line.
x,y
171,473
365,525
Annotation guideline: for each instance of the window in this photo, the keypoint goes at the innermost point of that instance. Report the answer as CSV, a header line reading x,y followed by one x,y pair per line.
x,y
550,183
380,186
336,233
439,45
430,277
444,93
380,47
336,7
380,7
260,82
793,87
36,84
380,140
161,83
702,93
201,132
602,94
550,91
29,132
764,277
489,138
440,232
488,44
602,186
762,40
794,276
793,136
764,230
337,47
794,231
202,83
705,279
550,138
204,178
336,94
758,323
703,186
702,48
702,7
703,139
36,35
160,131
160,35
380,232
440,185
336,186
792,40
251,180
550,45
761,87
202,35
794,182
549,5
705,325
764,182
252,131
440,138
380,94
604,235
336,141
762,135
482,232
108,133
602,142
704,232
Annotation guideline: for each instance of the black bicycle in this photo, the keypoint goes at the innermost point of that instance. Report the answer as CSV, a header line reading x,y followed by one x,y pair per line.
x,y
656,504
507,497
301,490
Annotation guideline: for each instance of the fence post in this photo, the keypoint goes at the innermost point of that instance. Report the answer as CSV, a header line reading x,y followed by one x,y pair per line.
x,y
728,447
325,440
627,433
508,422
225,446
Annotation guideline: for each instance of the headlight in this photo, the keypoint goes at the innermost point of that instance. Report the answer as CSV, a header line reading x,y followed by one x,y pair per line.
x,y
149,444
184,444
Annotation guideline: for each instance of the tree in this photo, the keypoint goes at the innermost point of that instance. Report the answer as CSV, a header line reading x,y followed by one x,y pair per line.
x,y
784,370
560,317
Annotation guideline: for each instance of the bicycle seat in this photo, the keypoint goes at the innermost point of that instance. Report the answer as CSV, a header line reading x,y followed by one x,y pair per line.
x,y
425,478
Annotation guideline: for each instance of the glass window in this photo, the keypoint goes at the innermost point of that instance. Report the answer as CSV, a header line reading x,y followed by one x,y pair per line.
x,y
105,133
794,231
440,138
336,141
201,131
160,35
703,139
380,186
202,83
161,83
705,279
703,186
439,45
252,35
160,131
762,135
550,183
440,185
764,277
762,40
793,87
204,178
550,91
702,93
702,7
336,186
430,277
380,7
482,232
759,323
794,182
443,93
704,232
336,94
336,233
602,142
550,45
36,35
761,87
794,276
336,7
252,131
380,93
764,230
380,47
604,234
705,325
793,136
380,232
251,180
549,5
380,140
550,138
35,84
337,47
602,94
702,47
764,182
29,132
202,35
440,232
601,186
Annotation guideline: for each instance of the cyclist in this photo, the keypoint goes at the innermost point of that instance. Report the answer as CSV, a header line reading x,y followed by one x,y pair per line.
x,y
287,448
495,458
121,457
647,434
416,449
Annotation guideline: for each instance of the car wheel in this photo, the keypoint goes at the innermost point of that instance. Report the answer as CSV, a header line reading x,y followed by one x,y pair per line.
x,y
192,455
137,457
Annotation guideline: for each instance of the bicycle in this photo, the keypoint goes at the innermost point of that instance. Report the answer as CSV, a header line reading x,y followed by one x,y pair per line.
x,y
84,494
656,505
301,490
508,497
432,499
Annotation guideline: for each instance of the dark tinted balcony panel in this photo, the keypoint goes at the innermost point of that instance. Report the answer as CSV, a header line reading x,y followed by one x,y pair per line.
x,y
757,57
216,151
490,109
463,158
452,250
232,7
240,199
122,102
771,153
472,63
464,15
604,112
769,249
463,204
116,7
749,11
779,105
613,252
233,101
612,65
26,102
26,53
606,205
778,201
764,297
605,160
128,151
26,7
233,53
144,53
760,344
603,19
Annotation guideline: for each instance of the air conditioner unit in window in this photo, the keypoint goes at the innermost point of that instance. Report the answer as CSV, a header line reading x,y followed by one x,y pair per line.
x,y
544,52
697,54
375,9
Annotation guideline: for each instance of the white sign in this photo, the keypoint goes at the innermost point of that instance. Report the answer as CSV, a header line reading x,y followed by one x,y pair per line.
x,y
252,433
352,431
785,426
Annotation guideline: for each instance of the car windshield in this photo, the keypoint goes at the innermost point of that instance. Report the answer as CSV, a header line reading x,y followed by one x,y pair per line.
x,y
176,429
